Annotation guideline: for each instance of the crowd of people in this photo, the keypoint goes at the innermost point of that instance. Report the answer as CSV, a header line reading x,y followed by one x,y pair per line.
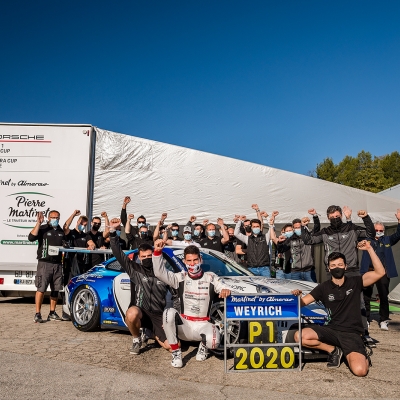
x,y
255,244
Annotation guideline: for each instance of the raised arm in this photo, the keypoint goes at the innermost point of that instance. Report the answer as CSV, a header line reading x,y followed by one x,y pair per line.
x,y
126,263
68,222
370,277
128,223
225,235
369,225
160,271
34,233
395,237
237,232
106,231
156,233
126,201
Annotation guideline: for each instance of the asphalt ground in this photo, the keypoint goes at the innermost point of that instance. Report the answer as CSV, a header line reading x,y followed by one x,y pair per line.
x,y
54,360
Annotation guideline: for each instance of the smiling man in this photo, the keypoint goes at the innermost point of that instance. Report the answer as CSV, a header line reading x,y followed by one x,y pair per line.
x,y
342,334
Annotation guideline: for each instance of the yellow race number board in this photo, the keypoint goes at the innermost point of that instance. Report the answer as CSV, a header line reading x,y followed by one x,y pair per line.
x,y
264,322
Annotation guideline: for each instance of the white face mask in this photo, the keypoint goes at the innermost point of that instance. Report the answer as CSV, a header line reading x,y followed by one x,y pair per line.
x,y
379,234
194,269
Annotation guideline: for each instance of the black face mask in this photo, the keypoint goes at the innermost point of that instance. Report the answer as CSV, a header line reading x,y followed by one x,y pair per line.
x,y
231,237
147,263
337,273
143,234
336,222
96,227
247,228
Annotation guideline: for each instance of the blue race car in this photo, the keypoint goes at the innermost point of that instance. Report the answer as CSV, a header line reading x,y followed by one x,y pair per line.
x,y
101,297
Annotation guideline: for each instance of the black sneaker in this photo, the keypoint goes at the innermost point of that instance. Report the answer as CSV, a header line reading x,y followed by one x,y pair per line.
x,y
38,318
65,317
368,341
53,317
334,358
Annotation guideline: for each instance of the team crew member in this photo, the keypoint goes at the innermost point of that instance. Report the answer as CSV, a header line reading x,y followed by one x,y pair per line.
x,y
342,335
230,247
141,221
383,247
215,242
95,239
258,248
148,294
196,291
49,268
142,236
187,238
342,237
77,237
302,261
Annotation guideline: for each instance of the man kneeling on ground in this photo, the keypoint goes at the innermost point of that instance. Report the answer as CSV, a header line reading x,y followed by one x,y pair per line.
x,y
148,294
342,334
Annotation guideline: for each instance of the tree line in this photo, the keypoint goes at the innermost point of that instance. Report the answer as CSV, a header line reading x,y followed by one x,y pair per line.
x,y
366,172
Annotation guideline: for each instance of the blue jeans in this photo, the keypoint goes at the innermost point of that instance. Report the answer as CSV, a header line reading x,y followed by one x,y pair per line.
x,y
279,274
302,276
261,271
288,276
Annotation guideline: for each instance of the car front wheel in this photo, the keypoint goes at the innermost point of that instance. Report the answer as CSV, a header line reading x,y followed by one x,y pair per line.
x,y
85,309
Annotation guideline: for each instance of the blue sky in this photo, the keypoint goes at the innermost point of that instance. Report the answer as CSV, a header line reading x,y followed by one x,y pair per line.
x,y
280,83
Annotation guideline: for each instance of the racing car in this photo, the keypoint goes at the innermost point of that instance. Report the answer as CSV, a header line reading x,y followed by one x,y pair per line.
x,y
101,297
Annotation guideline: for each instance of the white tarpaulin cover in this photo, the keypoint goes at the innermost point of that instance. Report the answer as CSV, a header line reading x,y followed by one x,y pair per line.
x,y
160,177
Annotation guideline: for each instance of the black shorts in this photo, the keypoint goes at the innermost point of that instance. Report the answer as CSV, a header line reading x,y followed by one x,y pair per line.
x,y
154,322
348,341
48,274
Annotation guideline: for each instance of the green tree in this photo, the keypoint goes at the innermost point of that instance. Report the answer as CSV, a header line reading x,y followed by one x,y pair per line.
x,y
362,172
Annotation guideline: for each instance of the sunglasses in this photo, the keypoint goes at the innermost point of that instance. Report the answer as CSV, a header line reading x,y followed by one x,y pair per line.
x,y
379,230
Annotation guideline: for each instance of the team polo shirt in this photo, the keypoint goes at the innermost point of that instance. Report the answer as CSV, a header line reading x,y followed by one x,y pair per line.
x,y
342,303
213,244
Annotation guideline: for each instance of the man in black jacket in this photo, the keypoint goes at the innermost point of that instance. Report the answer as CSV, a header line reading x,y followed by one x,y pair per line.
x,y
148,294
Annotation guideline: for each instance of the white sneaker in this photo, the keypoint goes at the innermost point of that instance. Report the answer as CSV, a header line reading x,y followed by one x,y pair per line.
x,y
177,359
202,353
384,325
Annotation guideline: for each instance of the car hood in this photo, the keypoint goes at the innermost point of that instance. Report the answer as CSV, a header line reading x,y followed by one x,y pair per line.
x,y
259,284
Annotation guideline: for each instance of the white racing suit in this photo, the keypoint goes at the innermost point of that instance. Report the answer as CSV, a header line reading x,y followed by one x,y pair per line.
x,y
196,296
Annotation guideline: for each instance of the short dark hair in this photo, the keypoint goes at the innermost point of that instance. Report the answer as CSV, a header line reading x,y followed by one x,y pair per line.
x,y
246,220
175,224
209,225
200,225
141,217
255,221
332,209
54,211
335,255
191,250
144,247
287,226
296,221
96,218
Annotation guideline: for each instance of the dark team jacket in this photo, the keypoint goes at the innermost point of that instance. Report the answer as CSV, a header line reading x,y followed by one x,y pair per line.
x,y
344,240
149,292
383,249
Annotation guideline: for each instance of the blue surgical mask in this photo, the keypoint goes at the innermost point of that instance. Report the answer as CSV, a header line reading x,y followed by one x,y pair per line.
x,y
288,234
196,232
140,224
174,233
54,222
118,233
187,236
256,231
81,228
161,235
297,232
211,233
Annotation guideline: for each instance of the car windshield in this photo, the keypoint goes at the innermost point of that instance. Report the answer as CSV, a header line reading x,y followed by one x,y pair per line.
x,y
216,263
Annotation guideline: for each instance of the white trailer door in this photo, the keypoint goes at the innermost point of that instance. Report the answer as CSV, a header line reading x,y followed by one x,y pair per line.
x,y
42,167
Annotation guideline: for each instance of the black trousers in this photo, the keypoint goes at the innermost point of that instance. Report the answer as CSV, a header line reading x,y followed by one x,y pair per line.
x,y
383,289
